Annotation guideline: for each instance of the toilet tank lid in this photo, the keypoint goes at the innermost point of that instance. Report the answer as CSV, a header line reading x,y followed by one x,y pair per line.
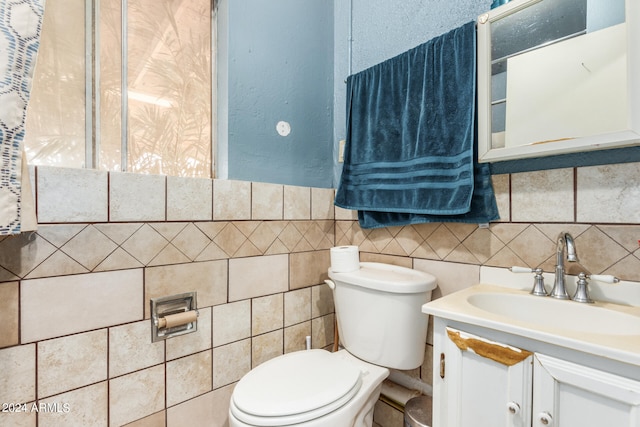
x,y
387,278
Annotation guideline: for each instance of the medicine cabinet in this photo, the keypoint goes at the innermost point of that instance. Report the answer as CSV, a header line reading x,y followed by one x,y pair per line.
x,y
557,77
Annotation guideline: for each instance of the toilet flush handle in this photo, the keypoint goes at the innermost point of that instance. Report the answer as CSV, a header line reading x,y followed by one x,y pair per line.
x,y
330,283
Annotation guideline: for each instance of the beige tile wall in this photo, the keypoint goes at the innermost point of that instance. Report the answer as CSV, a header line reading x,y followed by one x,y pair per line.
x,y
249,247
599,205
534,208
75,334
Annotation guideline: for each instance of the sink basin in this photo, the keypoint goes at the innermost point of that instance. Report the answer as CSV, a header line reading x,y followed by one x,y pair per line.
x,y
557,314
607,329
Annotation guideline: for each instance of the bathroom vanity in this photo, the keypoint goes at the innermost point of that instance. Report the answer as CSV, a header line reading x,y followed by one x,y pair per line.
x,y
503,357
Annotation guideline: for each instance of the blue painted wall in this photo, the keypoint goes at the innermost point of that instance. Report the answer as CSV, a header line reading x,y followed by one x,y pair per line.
x,y
275,64
288,60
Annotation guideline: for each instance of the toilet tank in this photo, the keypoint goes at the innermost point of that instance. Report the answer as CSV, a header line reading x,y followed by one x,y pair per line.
x,y
378,309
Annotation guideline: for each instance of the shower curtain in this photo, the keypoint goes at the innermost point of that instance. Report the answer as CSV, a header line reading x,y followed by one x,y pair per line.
x,y
20,25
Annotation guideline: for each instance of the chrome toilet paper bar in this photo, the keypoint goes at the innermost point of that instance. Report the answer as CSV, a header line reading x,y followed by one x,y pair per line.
x,y
173,315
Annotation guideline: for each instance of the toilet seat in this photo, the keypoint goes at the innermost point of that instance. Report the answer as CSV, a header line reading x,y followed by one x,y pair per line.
x,y
295,388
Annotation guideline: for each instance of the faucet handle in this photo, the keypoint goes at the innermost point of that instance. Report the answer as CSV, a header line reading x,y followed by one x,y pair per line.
x,y
538,280
516,269
604,278
582,292
538,284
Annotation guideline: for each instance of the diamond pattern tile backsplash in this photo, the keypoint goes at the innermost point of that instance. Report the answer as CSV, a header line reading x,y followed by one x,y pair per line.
x,y
307,224
602,249
56,250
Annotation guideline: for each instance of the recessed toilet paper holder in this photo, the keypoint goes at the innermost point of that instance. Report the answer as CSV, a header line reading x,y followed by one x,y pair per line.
x,y
173,316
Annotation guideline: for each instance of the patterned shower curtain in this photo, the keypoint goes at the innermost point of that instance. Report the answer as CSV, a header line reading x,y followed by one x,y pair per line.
x,y
20,25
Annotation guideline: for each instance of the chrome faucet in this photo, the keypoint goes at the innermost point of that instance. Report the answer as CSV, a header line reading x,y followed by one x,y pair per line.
x,y
564,242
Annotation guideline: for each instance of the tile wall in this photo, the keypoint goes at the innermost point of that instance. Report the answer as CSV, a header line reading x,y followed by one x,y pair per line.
x,y
599,206
73,297
75,340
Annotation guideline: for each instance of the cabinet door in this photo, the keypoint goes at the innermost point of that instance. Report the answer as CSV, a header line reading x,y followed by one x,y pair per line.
x,y
568,395
484,383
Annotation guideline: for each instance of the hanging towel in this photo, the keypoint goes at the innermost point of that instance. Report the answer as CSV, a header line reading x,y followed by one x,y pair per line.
x,y
409,155
483,207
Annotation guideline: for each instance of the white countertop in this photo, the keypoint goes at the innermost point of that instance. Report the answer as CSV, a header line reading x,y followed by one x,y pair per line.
x,y
622,345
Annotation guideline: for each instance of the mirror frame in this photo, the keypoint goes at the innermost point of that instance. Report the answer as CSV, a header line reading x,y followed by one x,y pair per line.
x,y
624,138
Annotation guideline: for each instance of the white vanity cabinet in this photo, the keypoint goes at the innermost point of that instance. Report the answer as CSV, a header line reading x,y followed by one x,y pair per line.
x,y
568,394
477,382
480,382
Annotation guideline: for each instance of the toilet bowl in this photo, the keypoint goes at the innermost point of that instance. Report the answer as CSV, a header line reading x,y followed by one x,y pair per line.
x,y
310,388
381,326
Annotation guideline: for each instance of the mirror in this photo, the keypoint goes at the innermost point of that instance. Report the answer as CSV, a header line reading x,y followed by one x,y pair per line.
x,y
558,76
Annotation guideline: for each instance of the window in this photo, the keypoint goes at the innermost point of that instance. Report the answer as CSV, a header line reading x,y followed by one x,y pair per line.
x,y
77,116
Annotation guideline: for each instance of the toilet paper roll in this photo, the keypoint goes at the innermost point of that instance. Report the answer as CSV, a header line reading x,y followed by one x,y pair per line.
x,y
345,259
178,319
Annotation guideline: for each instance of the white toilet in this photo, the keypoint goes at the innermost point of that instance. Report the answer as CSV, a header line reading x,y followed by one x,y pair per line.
x,y
381,326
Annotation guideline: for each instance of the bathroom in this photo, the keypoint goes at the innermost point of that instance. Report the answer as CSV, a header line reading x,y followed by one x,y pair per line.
x,y
74,321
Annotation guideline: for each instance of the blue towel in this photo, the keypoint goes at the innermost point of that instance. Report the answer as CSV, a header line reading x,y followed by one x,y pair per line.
x,y
409,155
483,207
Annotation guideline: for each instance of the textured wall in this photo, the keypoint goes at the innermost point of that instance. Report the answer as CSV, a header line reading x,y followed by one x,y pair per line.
x,y
382,29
